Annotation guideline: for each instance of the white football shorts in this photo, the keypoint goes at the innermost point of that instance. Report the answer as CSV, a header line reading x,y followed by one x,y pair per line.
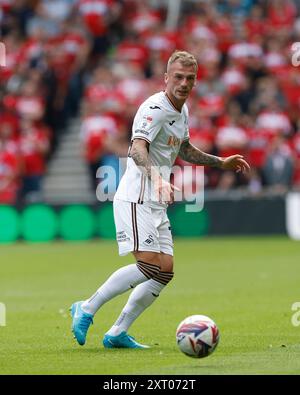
x,y
142,228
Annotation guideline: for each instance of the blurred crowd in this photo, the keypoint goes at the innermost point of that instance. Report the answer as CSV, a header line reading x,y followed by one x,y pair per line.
x,y
99,59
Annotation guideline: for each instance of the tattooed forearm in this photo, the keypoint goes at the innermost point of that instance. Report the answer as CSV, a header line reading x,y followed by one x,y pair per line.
x,y
191,154
142,160
140,155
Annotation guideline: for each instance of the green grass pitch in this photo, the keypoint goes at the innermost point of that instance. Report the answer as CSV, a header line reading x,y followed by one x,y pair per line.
x,y
247,285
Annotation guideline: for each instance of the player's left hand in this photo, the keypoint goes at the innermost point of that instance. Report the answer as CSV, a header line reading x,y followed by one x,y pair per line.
x,y
235,162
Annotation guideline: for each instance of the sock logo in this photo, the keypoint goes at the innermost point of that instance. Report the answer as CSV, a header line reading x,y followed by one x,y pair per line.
x,y
149,240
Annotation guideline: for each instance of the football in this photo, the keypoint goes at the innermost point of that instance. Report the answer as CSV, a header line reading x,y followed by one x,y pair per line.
x,y
197,336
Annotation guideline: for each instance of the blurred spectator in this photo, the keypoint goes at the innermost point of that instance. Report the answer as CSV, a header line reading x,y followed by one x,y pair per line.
x,y
295,146
102,141
273,120
254,182
34,146
9,164
278,169
30,104
97,16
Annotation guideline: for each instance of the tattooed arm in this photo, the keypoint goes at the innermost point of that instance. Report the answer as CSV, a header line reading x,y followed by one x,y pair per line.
x,y
139,153
191,154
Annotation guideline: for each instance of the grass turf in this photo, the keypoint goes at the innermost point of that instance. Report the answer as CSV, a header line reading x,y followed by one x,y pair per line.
x,y
247,285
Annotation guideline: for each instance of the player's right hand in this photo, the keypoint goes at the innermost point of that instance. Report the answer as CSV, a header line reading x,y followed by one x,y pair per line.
x,y
164,191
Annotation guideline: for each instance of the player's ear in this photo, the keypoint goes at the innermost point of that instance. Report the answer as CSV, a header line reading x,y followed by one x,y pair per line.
x,y
166,78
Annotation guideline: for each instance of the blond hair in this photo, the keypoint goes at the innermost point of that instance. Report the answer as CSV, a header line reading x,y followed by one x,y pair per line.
x,y
184,57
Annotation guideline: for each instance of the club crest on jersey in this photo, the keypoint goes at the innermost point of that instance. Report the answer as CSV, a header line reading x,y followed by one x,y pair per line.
x,y
149,240
174,141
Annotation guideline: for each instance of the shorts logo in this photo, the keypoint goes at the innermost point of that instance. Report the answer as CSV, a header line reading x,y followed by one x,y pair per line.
x,y
122,236
149,240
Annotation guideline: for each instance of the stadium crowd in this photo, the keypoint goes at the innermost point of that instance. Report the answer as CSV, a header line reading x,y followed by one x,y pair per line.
x,y
99,59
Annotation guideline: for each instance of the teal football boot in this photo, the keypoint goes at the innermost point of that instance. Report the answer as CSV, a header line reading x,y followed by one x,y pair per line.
x,y
123,340
81,322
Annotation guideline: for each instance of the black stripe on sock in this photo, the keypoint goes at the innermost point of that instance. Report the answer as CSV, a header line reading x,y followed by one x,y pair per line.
x,y
163,277
148,269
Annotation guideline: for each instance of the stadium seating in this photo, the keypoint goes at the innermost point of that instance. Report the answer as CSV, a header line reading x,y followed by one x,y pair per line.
x,y
79,72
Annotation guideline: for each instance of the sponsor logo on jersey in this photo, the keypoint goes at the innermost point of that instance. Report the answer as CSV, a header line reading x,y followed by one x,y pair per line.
x,y
174,141
171,123
154,108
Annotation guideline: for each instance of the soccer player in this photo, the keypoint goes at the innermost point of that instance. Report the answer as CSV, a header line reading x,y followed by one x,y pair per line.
x,y
159,134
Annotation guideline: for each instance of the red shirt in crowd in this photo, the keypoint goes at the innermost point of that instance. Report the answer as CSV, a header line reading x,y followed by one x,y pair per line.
x,y
94,14
9,166
34,145
95,129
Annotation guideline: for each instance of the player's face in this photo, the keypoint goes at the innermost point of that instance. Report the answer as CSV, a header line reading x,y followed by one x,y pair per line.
x,y
180,80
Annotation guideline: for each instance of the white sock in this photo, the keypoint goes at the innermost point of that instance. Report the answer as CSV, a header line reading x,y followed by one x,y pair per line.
x,y
140,298
120,281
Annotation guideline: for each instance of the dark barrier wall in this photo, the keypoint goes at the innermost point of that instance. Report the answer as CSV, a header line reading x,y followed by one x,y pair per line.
x,y
42,223
247,217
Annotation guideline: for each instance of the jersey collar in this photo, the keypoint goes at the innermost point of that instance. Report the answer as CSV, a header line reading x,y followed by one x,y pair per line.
x,y
171,103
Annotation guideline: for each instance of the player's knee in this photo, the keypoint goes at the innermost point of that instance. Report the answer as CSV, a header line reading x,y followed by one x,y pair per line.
x,y
166,263
147,256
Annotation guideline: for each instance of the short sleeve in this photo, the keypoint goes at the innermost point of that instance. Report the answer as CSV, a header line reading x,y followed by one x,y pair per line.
x,y
147,122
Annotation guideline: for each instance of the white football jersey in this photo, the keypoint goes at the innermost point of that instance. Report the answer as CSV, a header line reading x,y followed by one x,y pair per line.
x,y
159,123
